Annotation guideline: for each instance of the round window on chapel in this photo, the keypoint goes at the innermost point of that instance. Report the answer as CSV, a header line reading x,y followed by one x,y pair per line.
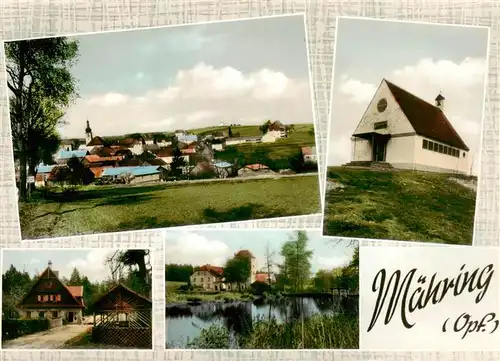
x,y
382,105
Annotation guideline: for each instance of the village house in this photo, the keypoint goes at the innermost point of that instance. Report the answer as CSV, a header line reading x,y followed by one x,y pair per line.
x,y
167,155
50,299
309,154
133,175
42,174
242,140
63,156
187,138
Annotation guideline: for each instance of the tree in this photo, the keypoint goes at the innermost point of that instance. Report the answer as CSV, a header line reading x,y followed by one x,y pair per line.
x,y
76,171
178,272
264,127
237,270
177,161
41,88
269,262
297,261
137,263
75,279
229,132
15,284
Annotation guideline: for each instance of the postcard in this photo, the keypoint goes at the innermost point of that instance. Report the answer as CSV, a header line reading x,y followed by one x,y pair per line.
x,y
76,299
260,289
163,127
405,131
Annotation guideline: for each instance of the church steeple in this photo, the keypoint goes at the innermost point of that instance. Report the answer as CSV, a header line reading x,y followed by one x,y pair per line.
x,y
88,133
440,101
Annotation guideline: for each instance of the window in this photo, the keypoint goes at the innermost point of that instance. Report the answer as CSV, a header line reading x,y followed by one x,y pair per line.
x,y
425,144
41,314
54,314
435,147
380,125
39,298
202,280
58,298
28,315
449,150
381,105
51,298
445,150
45,298
440,149
463,155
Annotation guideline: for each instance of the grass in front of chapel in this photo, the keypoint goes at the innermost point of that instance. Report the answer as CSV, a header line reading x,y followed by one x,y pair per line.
x,y
399,205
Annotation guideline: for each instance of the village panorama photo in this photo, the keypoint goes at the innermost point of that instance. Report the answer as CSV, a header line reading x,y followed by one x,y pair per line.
x,y
260,289
405,131
162,127
76,299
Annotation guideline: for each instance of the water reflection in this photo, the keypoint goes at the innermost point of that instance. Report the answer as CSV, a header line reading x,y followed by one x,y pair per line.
x,y
185,322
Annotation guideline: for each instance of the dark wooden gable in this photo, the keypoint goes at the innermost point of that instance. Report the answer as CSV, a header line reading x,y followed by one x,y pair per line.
x,y
121,298
49,292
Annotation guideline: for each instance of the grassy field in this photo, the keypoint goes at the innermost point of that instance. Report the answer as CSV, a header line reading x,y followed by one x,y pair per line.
x,y
244,130
123,208
174,296
303,135
399,205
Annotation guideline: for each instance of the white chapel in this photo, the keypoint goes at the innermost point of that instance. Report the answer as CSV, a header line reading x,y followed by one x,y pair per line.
x,y
409,133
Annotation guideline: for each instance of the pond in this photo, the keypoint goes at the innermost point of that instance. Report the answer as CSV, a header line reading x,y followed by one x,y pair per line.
x,y
184,323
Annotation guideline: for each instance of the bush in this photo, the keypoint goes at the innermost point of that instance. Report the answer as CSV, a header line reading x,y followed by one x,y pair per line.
x,y
14,328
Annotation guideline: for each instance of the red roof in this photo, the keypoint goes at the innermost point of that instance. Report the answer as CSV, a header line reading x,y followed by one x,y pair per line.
x,y
76,291
306,150
244,253
98,170
214,269
256,166
93,158
427,120
262,277
165,152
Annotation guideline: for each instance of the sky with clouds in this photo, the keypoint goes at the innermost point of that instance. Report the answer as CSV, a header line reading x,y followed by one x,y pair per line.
x,y
163,79
216,247
90,263
421,58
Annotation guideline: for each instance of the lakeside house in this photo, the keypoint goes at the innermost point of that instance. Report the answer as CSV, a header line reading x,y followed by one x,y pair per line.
x,y
211,278
50,299
407,132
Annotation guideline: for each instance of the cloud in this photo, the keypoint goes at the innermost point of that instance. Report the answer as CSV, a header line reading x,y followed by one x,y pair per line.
x,y
201,96
329,263
195,249
461,83
34,261
93,265
358,91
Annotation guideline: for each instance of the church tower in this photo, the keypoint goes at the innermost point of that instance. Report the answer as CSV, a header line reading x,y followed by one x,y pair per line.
x,y
88,134
440,101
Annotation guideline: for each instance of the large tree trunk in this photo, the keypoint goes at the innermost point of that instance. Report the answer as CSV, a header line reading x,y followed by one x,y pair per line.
x,y
22,175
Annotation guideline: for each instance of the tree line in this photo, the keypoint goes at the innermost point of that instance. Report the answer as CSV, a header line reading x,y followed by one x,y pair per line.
x,y
130,268
292,274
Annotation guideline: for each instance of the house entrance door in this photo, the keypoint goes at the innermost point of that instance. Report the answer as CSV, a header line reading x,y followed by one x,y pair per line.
x,y
71,317
379,149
